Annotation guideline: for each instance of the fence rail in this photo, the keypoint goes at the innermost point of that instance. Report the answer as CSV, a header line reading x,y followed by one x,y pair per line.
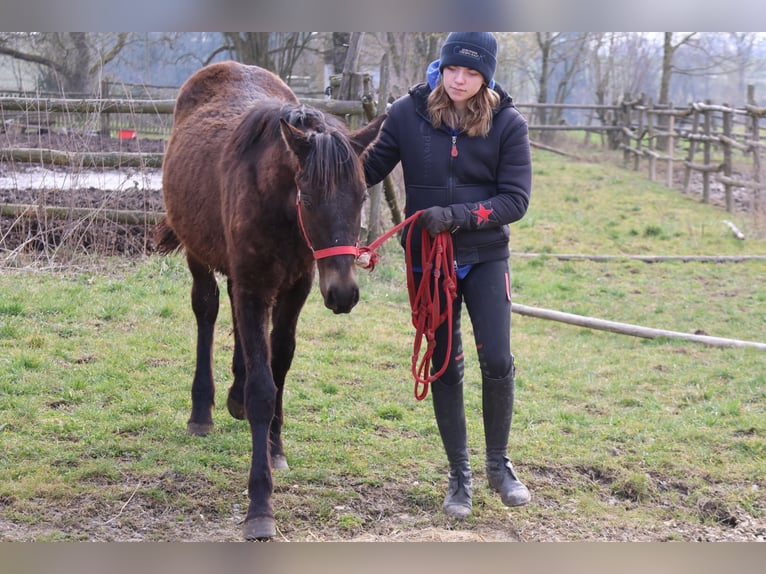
x,y
110,116
710,139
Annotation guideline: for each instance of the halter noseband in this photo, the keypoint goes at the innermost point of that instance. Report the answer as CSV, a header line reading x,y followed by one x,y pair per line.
x,y
328,251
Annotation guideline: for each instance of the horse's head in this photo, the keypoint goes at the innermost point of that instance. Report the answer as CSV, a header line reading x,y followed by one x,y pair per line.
x,y
331,192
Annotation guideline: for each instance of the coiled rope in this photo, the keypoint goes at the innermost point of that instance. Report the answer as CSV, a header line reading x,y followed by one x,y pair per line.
x,y
429,309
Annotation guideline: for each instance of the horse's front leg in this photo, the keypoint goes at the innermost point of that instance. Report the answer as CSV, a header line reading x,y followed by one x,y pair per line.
x,y
284,320
252,313
205,301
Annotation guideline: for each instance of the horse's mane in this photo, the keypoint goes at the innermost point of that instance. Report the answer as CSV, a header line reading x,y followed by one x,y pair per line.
x,y
331,159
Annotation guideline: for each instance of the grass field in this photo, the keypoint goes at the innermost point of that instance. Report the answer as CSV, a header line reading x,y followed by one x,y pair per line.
x,y
618,438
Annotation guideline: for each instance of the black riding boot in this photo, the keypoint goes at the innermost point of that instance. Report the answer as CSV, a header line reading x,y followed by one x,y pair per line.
x,y
450,418
497,403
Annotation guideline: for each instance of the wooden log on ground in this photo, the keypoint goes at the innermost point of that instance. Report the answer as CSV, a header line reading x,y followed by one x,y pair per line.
x,y
628,329
646,258
126,217
737,233
539,145
81,159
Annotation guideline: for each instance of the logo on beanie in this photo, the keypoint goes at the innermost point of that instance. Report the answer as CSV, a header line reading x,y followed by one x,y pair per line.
x,y
463,51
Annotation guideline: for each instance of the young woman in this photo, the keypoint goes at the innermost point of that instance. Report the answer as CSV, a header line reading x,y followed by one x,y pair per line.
x,y
465,155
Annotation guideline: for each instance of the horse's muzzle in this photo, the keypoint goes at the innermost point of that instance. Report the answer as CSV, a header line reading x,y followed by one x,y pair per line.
x,y
337,283
341,300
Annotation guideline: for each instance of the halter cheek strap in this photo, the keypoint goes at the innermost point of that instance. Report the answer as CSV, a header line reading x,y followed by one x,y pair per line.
x,y
328,251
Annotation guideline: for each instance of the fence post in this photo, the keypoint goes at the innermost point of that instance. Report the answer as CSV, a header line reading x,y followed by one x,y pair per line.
x,y
692,149
727,169
624,121
707,151
671,145
104,118
640,130
755,122
651,121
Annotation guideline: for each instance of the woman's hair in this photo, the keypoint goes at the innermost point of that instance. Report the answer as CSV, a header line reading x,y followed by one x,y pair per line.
x,y
477,120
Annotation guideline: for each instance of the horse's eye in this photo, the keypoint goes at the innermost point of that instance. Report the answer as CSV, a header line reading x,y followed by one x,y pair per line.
x,y
365,196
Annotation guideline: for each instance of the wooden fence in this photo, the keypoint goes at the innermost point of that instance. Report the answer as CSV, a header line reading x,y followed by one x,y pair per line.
x,y
720,142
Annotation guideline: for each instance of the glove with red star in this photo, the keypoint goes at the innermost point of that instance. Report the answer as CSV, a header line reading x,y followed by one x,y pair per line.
x,y
437,219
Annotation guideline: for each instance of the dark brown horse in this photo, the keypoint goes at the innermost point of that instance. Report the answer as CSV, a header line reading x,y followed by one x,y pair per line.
x,y
263,190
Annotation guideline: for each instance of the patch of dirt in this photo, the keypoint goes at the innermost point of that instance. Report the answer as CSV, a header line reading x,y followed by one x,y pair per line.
x,y
169,507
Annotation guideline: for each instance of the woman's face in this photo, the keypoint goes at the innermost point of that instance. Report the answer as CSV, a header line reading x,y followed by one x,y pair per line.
x,y
461,83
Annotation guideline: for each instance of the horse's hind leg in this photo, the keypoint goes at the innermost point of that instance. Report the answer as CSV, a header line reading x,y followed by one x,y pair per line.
x,y
205,301
285,320
235,402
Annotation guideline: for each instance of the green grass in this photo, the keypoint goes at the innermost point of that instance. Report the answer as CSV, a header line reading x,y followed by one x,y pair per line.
x,y
615,435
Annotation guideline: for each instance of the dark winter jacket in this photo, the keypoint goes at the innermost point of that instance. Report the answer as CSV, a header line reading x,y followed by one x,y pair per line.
x,y
487,184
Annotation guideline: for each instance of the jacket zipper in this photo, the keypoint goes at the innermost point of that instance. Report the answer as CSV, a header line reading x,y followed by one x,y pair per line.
x,y
453,154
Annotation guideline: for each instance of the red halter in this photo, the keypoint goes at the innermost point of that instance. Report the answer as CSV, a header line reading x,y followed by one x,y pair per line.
x,y
328,251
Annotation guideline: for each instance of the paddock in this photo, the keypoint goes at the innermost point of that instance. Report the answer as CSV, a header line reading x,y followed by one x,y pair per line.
x,y
622,437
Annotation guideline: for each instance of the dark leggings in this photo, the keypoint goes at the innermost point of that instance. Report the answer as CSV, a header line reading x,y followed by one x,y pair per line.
x,y
486,291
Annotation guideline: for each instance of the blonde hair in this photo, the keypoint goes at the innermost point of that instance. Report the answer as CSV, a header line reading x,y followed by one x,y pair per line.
x,y
477,120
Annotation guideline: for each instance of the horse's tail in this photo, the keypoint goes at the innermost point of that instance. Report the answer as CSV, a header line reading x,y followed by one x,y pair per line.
x,y
165,239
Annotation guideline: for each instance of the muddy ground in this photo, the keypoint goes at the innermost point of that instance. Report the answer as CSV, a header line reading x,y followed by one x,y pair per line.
x,y
84,187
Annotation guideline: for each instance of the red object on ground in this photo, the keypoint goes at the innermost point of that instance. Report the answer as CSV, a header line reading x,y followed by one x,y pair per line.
x,y
127,134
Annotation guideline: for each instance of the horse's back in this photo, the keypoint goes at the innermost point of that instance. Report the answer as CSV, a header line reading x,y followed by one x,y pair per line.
x,y
209,107
231,84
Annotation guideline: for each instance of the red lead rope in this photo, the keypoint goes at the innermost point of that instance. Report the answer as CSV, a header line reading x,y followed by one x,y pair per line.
x,y
437,260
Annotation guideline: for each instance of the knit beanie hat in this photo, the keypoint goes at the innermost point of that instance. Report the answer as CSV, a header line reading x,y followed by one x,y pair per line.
x,y
475,50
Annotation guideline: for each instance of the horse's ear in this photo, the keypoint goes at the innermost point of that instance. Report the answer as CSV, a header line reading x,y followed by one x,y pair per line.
x,y
365,136
295,139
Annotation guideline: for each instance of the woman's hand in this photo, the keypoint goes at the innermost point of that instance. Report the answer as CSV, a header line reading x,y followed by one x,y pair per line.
x,y
437,219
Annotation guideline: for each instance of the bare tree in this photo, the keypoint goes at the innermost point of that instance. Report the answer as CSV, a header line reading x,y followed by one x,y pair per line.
x,y
669,49
70,62
340,45
409,55
561,61
517,64
275,51
717,66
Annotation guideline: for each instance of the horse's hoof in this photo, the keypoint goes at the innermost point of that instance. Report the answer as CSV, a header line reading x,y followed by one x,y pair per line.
x,y
236,408
199,429
279,462
261,528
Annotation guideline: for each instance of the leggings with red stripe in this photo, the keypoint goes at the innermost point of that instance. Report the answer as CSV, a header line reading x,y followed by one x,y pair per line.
x,y
486,292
